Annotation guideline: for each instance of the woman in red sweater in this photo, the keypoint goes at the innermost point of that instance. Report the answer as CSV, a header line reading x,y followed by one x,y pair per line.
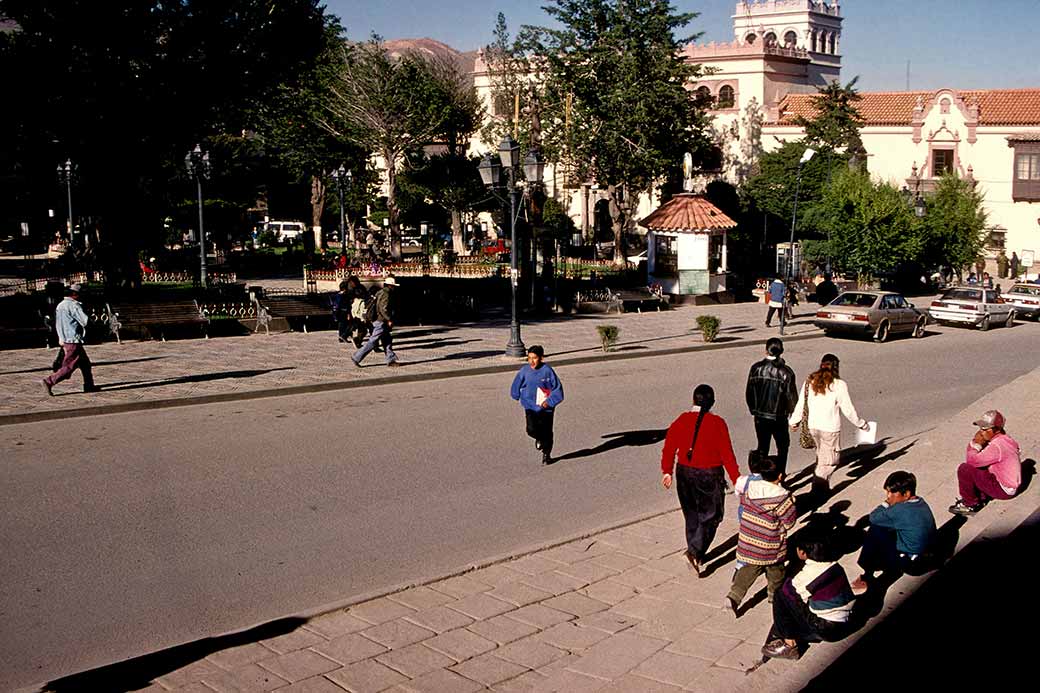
x,y
701,441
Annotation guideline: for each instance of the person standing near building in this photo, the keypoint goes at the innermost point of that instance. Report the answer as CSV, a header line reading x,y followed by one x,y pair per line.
x,y
70,321
771,394
702,444
775,298
381,312
1013,265
539,391
827,397
1002,265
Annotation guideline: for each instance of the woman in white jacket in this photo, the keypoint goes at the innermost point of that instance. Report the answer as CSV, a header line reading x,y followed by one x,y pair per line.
x,y
828,399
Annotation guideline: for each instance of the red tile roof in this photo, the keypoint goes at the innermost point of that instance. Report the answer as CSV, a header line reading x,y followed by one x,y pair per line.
x,y
996,106
687,212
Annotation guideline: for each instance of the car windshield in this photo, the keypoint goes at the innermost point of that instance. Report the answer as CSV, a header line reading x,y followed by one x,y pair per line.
x,y
855,300
962,295
1025,289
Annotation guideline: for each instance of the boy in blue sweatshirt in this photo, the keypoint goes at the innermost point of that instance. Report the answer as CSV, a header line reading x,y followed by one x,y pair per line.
x,y
539,390
901,530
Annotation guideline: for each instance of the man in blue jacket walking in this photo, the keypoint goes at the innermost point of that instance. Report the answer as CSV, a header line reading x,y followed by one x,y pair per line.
x,y
539,390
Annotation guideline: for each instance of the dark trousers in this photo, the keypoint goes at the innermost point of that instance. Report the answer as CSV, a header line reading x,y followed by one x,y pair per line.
x,y
879,553
701,496
344,324
75,357
774,429
540,427
792,620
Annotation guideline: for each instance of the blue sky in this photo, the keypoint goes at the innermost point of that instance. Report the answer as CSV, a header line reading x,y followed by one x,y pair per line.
x,y
964,44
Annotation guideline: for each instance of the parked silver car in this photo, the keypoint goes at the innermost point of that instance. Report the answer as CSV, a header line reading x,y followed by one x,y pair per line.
x,y
876,313
1025,298
972,305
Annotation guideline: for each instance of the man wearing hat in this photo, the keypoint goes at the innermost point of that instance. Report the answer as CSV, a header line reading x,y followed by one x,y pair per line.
x,y
70,321
992,468
382,322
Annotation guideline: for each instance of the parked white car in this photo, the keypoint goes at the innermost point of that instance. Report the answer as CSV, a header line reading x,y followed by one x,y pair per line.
x,y
1025,298
285,230
972,305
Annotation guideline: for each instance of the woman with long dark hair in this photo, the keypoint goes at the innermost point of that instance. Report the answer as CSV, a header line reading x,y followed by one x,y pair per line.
x,y
701,442
827,397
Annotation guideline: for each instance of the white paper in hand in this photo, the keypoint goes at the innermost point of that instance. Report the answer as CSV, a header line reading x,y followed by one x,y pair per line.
x,y
869,436
541,396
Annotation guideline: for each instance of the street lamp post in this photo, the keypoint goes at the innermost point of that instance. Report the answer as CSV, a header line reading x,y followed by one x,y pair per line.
x,y
806,155
65,172
342,176
197,163
491,174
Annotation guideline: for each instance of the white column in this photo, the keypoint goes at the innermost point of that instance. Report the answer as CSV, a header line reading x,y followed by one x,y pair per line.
x,y
725,253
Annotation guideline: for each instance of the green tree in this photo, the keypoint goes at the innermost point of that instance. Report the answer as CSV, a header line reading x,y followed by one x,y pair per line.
x,y
870,227
515,79
394,107
450,181
126,99
771,188
954,225
617,106
836,122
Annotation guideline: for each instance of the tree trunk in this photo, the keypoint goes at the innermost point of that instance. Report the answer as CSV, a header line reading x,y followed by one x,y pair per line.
x,y
317,208
619,223
457,242
391,204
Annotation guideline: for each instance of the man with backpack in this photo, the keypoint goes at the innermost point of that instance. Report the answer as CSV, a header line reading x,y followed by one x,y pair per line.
x,y
380,312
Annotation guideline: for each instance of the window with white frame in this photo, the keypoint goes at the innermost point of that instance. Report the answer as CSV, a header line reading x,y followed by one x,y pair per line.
x,y
666,254
942,162
1025,185
726,97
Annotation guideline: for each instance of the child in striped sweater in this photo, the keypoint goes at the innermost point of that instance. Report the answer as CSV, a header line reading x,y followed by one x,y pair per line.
x,y
767,514
812,606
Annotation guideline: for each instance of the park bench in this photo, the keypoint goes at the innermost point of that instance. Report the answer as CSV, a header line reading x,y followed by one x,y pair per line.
x,y
299,309
639,299
22,322
156,317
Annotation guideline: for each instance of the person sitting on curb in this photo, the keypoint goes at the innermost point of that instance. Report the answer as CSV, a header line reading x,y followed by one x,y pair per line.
x,y
901,531
812,606
767,515
992,468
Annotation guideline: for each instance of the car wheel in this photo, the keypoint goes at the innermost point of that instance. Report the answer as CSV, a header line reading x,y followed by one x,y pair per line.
x,y
919,329
882,332
1011,319
984,324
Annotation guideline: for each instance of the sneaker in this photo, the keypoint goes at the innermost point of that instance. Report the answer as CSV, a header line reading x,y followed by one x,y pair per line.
x,y
778,649
546,458
730,604
92,388
859,586
962,508
394,364
537,445
47,387
355,363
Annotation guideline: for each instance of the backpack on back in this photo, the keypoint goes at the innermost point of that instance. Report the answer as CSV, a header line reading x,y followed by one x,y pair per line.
x,y
370,309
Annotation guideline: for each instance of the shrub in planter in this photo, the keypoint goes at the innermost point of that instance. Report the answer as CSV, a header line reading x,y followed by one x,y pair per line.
x,y
709,326
608,335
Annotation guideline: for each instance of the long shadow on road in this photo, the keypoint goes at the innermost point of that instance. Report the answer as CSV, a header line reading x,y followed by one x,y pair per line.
x,y
618,440
199,378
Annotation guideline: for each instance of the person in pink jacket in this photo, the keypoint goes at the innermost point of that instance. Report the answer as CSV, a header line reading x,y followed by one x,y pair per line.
x,y
992,467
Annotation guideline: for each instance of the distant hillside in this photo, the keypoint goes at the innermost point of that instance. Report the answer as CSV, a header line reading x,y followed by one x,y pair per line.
x,y
428,46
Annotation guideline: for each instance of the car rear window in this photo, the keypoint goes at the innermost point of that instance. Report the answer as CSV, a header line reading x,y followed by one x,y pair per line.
x,y
962,295
1025,289
856,300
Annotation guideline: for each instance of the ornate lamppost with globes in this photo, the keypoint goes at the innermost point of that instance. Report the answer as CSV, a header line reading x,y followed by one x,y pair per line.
x,y
197,163
343,178
66,172
491,174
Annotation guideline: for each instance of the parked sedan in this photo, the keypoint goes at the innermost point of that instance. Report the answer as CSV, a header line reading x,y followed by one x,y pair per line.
x,y
876,313
1025,298
972,305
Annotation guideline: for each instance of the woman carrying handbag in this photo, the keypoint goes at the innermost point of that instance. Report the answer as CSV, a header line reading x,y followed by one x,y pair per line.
x,y
823,399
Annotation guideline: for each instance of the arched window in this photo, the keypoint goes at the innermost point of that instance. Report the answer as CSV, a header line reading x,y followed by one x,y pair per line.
x,y
833,43
812,41
790,40
770,39
726,97
704,95
822,47
750,38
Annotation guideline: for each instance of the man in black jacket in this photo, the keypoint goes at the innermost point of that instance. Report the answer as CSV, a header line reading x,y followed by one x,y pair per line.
x,y
771,395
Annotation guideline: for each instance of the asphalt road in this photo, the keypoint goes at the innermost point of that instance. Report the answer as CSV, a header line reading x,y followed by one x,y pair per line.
x,y
125,534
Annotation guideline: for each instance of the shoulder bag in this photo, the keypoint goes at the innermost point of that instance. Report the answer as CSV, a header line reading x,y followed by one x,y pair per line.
x,y
805,438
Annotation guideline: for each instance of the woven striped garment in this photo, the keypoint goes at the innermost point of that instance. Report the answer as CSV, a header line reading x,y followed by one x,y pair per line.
x,y
764,524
